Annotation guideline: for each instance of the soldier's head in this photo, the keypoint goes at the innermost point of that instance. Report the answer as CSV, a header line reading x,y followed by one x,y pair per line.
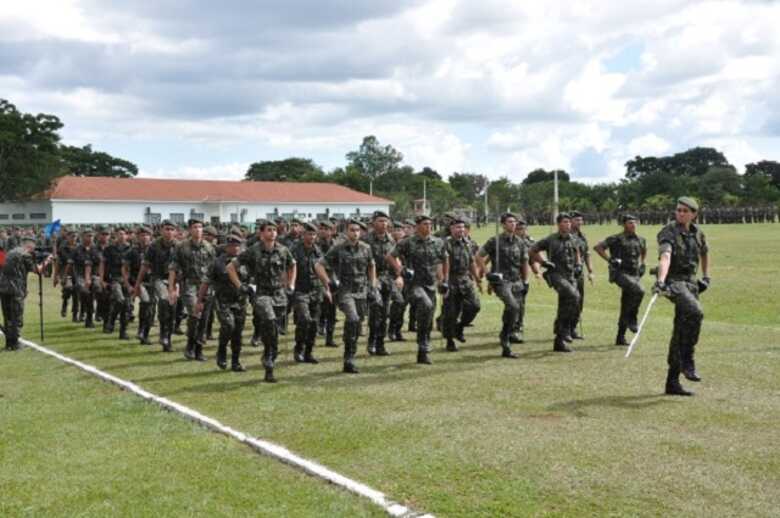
x,y
28,243
87,235
296,227
103,234
564,222
380,221
210,233
398,230
144,236
233,244
3,233
268,231
423,225
354,228
408,227
457,228
509,222
686,211
120,235
325,229
168,230
521,228
577,220
309,234
629,223
195,229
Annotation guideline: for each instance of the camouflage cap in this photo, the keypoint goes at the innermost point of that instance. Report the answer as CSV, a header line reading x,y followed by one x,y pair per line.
x,y
296,221
194,221
575,214
144,230
689,202
87,230
521,220
210,230
167,223
326,224
100,229
409,221
562,216
398,224
457,220
29,239
263,223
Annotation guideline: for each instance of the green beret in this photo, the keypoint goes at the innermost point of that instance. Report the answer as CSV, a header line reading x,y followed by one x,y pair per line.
x,y
194,221
422,217
689,202
355,221
380,214
309,227
326,224
409,222
210,230
144,230
234,239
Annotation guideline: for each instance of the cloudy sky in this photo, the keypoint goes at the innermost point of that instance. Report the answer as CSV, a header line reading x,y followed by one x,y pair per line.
x,y
199,88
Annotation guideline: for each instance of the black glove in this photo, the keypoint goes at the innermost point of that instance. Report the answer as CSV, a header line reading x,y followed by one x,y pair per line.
x,y
334,284
660,287
549,265
374,296
642,270
525,287
246,290
408,274
703,284
289,292
615,262
443,288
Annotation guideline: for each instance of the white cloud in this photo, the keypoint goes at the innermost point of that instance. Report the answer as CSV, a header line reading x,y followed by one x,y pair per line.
x,y
648,145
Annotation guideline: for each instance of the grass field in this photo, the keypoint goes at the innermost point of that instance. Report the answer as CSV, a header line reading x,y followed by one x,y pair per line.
x,y
587,434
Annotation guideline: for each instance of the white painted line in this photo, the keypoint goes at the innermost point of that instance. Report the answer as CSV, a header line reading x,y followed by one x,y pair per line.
x,y
267,448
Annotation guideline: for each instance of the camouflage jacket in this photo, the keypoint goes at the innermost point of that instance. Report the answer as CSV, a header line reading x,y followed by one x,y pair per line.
x,y
158,258
268,268
306,279
512,254
562,251
685,247
192,261
380,248
13,275
113,258
83,257
629,248
423,255
350,263
461,256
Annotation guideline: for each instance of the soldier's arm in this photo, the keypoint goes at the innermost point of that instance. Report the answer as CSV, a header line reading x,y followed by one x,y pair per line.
x,y
102,270
372,274
232,273
292,274
601,249
88,274
125,275
705,265
440,273
524,271
322,273
141,274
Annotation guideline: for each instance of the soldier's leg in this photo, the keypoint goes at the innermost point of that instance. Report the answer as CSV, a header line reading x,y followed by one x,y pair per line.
x,y
315,308
145,305
412,316
239,318
451,308
75,297
227,326
568,302
580,284
266,320
519,326
203,319
506,293
66,289
424,301
397,310
86,302
212,312
302,319
10,321
164,314
349,306
330,322
470,309
178,316
686,301
380,330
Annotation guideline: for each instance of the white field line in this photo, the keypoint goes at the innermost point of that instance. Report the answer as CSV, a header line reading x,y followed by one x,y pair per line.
x,y
267,448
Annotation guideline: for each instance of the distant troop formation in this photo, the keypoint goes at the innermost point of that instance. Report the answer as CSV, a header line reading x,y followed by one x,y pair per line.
x,y
185,279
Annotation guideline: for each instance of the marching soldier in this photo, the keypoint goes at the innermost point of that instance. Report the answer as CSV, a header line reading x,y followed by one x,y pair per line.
x,y
325,242
577,220
84,265
111,275
421,261
398,304
272,268
211,235
102,296
131,266
461,305
626,261
521,231
682,247
353,262
308,297
561,264
64,252
381,244
508,258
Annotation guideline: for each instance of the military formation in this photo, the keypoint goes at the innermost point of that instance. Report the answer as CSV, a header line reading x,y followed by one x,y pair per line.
x,y
369,273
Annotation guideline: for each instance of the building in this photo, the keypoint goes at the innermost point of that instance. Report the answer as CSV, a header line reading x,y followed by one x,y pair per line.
x,y
87,200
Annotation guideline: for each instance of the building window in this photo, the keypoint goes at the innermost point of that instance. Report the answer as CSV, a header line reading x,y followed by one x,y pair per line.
x,y
177,218
37,215
17,216
197,215
3,216
153,218
233,217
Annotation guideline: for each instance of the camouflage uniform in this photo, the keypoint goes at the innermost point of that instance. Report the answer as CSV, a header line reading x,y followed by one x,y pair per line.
x,y
230,304
67,280
380,311
584,251
562,252
158,258
79,261
628,250
133,261
120,300
192,261
519,328
307,300
423,256
461,305
266,268
328,313
13,290
350,263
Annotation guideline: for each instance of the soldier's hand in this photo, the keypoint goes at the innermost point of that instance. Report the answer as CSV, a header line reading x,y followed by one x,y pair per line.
x,y
660,287
444,288
399,282
246,289
642,269
328,295
172,297
55,281
703,284
590,277
289,292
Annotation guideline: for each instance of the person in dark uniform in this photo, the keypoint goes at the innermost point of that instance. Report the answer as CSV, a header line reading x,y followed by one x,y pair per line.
x,y
229,302
131,266
426,258
461,305
84,266
156,263
65,251
626,261
353,262
325,242
18,263
211,235
102,295
381,244
521,231
398,304
111,276
682,248
577,221
309,294
561,264
272,268
508,258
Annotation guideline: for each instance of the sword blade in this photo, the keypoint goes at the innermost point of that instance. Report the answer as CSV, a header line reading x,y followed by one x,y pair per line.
x,y
641,325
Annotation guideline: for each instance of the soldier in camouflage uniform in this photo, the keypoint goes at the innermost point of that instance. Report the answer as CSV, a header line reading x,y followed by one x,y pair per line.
x,y
577,220
398,304
190,264
65,251
309,294
353,262
131,266
84,264
521,231
13,288
211,235
561,264
508,258
103,295
325,242
156,263
381,244
681,248
111,276
424,267
626,261
461,305
229,302
272,268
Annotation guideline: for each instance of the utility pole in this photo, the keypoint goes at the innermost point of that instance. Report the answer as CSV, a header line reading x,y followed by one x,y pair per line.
x,y
555,195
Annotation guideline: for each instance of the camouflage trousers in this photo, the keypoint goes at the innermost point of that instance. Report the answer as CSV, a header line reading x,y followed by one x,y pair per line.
x,y
379,314
267,309
511,294
423,300
688,316
88,295
231,316
159,296
69,292
354,309
630,298
13,318
307,308
459,308
581,291
568,303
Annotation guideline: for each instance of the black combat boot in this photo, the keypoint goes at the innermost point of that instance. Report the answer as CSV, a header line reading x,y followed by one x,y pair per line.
x,y
269,375
673,387
560,345
222,354
381,350
308,355
64,310
371,348
689,371
298,352
88,322
329,339
459,334
198,349
621,335
515,338
451,347
123,326
235,364
423,358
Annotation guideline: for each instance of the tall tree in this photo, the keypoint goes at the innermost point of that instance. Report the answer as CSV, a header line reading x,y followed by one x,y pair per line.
x,y
469,186
373,160
767,168
288,170
540,175
29,158
82,161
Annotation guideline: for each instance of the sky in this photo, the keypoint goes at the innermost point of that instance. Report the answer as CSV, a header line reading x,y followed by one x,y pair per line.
x,y
202,89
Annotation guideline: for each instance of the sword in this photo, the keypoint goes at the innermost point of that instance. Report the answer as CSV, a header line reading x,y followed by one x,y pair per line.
x,y
641,325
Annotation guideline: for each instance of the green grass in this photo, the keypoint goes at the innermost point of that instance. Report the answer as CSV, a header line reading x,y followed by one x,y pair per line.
x,y
473,435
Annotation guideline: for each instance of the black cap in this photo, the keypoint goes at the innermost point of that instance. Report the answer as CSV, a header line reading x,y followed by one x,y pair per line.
x,y
506,215
379,214
575,214
355,221
296,220
628,217
409,221
194,221
422,217
234,239
457,220
167,223
398,224
309,227
562,216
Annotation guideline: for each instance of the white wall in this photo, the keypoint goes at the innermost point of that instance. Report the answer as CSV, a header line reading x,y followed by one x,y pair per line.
x,y
89,212
8,210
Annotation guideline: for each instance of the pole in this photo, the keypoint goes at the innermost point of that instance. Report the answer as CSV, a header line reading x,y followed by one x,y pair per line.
x,y
40,302
487,184
555,195
425,198
641,325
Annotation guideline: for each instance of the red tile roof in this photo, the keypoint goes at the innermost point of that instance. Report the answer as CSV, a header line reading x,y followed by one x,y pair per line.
x,y
158,189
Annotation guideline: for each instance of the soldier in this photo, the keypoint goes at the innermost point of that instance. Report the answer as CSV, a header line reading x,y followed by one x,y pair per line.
x,y
111,275
421,261
521,231
681,248
272,268
190,264
352,261
13,287
626,261
398,304
230,302
211,235
508,258
156,263
83,265
561,264
102,296
461,305
577,220
65,252
308,297
131,266
381,244
325,242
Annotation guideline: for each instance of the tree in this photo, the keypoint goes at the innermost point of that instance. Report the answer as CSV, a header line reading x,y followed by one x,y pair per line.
x,y
82,161
469,186
373,160
29,152
767,168
288,170
693,162
540,175
430,173
718,183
